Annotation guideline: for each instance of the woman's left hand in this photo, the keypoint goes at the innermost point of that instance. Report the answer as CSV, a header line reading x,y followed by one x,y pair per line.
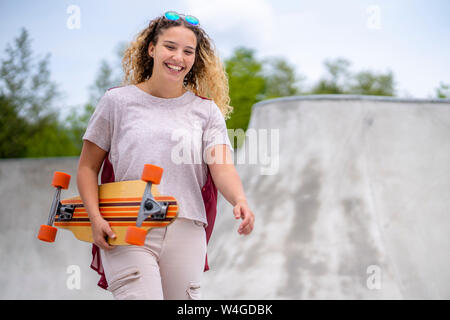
x,y
241,210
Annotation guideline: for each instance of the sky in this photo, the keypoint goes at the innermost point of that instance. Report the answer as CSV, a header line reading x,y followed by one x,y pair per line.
x,y
408,37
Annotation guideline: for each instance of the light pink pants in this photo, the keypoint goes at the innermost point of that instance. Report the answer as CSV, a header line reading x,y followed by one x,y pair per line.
x,y
169,266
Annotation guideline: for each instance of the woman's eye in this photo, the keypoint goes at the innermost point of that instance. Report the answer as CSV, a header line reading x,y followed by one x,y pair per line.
x,y
170,48
188,52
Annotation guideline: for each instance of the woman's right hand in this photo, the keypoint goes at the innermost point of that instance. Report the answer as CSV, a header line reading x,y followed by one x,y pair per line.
x,y
101,230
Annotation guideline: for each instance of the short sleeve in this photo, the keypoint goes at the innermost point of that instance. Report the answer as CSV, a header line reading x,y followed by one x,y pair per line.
x,y
99,129
216,130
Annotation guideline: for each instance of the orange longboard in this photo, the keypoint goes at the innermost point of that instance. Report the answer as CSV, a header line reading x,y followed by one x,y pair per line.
x,y
130,207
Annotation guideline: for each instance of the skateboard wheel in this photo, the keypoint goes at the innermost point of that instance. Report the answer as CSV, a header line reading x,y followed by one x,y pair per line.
x,y
61,179
136,236
47,233
152,173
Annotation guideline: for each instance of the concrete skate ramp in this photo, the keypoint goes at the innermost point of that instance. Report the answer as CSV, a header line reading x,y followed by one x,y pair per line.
x,y
357,208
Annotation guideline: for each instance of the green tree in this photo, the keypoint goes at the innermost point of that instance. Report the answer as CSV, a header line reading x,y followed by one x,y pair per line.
x,y
443,91
281,79
108,76
12,137
336,80
77,123
28,97
369,83
49,138
246,83
25,81
102,82
252,80
340,80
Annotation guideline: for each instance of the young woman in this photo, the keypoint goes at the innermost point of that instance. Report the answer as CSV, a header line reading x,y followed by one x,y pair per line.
x,y
161,110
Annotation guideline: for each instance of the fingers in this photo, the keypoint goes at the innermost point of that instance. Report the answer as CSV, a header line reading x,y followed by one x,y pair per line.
x,y
246,226
242,211
103,243
102,240
246,230
110,233
237,212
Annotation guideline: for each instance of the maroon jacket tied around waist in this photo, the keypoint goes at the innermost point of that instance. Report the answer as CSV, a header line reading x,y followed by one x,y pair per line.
x,y
209,194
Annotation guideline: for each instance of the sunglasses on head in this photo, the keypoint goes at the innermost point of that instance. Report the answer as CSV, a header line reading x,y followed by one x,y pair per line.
x,y
173,16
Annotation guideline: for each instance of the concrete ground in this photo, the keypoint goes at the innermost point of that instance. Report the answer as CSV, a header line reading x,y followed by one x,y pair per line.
x,y
351,202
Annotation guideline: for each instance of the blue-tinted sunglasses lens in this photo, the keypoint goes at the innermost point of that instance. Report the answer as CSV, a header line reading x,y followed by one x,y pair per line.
x,y
192,20
172,15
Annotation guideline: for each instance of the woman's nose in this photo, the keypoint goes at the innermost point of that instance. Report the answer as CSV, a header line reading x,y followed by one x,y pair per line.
x,y
178,56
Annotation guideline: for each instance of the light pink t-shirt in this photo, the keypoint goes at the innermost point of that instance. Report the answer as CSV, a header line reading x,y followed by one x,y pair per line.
x,y
137,128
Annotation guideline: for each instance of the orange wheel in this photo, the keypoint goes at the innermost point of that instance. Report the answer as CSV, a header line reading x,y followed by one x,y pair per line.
x,y
152,173
136,236
61,179
47,233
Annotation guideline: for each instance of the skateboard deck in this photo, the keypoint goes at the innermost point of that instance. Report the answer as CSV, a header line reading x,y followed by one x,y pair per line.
x,y
119,204
125,205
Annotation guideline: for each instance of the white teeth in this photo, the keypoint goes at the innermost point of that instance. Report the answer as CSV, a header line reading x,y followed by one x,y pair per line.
x,y
174,67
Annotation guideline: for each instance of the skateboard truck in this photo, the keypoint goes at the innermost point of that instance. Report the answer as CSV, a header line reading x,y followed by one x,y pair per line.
x,y
150,207
65,212
47,232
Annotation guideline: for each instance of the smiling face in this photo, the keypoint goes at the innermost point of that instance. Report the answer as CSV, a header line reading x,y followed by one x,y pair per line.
x,y
174,54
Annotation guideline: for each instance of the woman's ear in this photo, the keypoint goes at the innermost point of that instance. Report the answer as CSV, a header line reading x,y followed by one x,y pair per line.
x,y
151,50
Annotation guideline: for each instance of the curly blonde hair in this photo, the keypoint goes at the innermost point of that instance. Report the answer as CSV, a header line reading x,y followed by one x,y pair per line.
x,y
207,78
